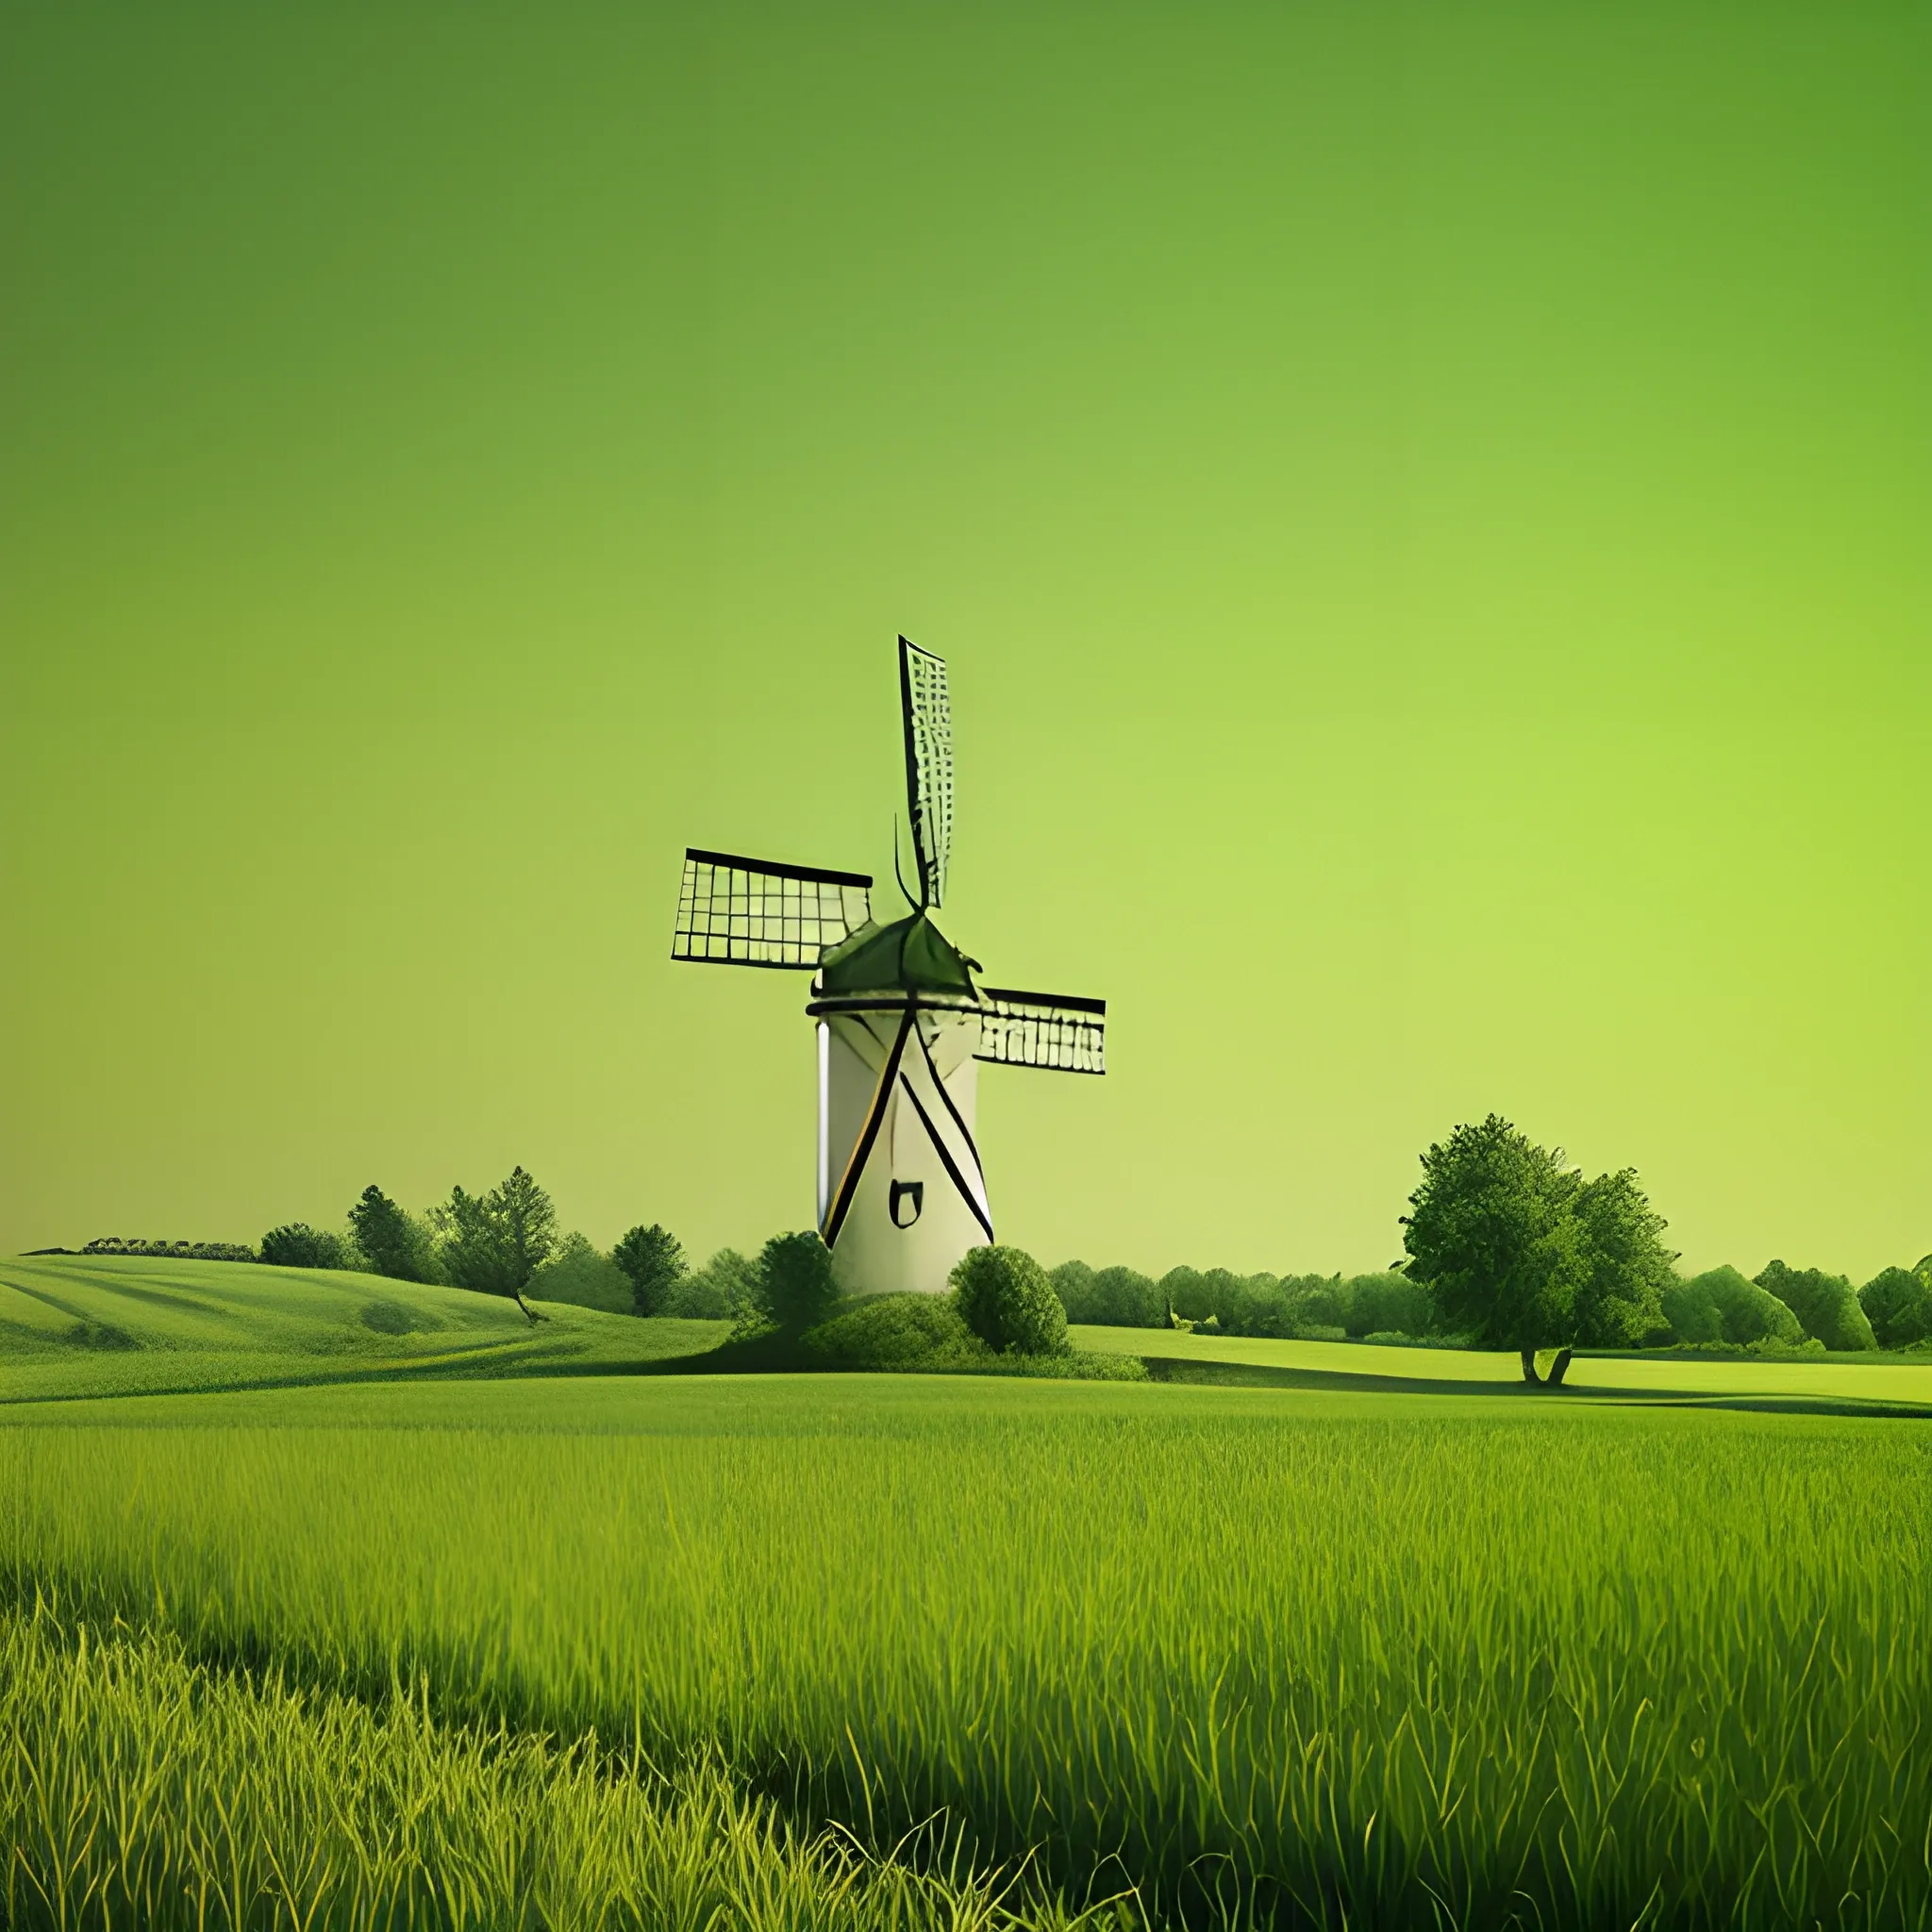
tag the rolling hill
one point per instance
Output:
(114, 1324)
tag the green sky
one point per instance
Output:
(1427, 510)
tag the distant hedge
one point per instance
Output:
(179, 1251)
(1307, 1306)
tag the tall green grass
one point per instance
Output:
(139, 1790)
(1369, 1661)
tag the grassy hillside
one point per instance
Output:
(1346, 1656)
(74, 1325)
(1840, 1380)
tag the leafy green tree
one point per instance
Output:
(1898, 1304)
(1073, 1281)
(794, 1286)
(1184, 1291)
(1824, 1303)
(1626, 1266)
(1519, 1251)
(298, 1245)
(1125, 1298)
(1008, 1302)
(1721, 1305)
(495, 1242)
(653, 1257)
(392, 1241)
(1493, 1238)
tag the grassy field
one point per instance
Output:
(89, 1325)
(1833, 1379)
(1362, 1660)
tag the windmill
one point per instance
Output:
(901, 1023)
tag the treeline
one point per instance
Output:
(1785, 1310)
(508, 1241)
(179, 1251)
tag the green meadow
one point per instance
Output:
(388, 1641)
(74, 1325)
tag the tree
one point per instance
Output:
(721, 1290)
(1619, 1298)
(1519, 1251)
(298, 1245)
(1073, 1281)
(794, 1286)
(654, 1260)
(1898, 1304)
(1824, 1303)
(1721, 1305)
(391, 1241)
(496, 1243)
(1009, 1302)
(1125, 1298)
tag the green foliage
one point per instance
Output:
(495, 1242)
(1312, 1306)
(1898, 1304)
(298, 1245)
(579, 1274)
(1520, 1252)
(1824, 1303)
(391, 1241)
(899, 1331)
(1720, 1306)
(723, 1290)
(793, 1287)
(653, 1262)
(1625, 1264)
(1008, 1301)
(1109, 1297)
(1387, 1302)
(942, 1594)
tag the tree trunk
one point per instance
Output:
(1529, 1374)
(1558, 1369)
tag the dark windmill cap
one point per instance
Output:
(910, 956)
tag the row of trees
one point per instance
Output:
(1508, 1246)
(1505, 1245)
(507, 1241)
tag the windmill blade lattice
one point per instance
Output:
(736, 911)
(928, 764)
(1058, 1031)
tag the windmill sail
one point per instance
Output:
(734, 911)
(1043, 1029)
(928, 764)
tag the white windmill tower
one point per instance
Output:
(901, 1026)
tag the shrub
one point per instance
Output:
(1898, 1304)
(652, 1259)
(298, 1245)
(1824, 1303)
(898, 1331)
(1720, 1306)
(794, 1287)
(1009, 1302)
